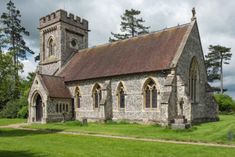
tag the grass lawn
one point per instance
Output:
(207, 132)
(6, 121)
(21, 143)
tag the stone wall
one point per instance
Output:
(37, 88)
(49, 104)
(54, 115)
(69, 34)
(199, 110)
(134, 105)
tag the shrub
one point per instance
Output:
(17, 108)
(10, 110)
(23, 112)
(225, 102)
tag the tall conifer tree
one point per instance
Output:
(131, 26)
(215, 59)
(14, 32)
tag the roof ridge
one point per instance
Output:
(182, 45)
(132, 38)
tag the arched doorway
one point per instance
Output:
(39, 109)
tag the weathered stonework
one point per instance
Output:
(49, 113)
(62, 28)
(37, 89)
(205, 107)
(134, 106)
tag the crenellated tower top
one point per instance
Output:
(64, 16)
(61, 35)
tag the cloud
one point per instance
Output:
(29, 66)
(216, 20)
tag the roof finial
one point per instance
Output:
(193, 14)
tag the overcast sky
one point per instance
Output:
(216, 20)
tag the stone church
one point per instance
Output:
(158, 77)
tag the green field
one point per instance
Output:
(21, 143)
(5, 121)
(216, 132)
(47, 143)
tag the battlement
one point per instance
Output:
(62, 15)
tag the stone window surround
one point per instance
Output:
(51, 46)
(119, 88)
(97, 89)
(62, 107)
(77, 95)
(157, 109)
(193, 80)
(144, 109)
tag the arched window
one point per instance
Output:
(67, 108)
(60, 107)
(97, 95)
(154, 97)
(57, 108)
(63, 107)
(121, 95)
(77, 98)
(51, 47)
(193, 80)
(150, 94)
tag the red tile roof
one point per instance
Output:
(55, 86)
(151, 52)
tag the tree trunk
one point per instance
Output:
(132, 27)
(221, 77)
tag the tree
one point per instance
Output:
(18, 107)
(14, 32)
(131, 26)
(225, 102)
(7, 73)
(2, 40)
(217, 56)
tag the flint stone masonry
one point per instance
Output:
(49, 113)
(62, 28)
(134, 107)
(203, 109)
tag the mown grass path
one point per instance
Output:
(212, 132)
(21, 126)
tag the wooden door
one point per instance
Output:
(39, 109)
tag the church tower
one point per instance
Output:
(61, 34)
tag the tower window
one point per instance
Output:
(51, 47)
(74, 43)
